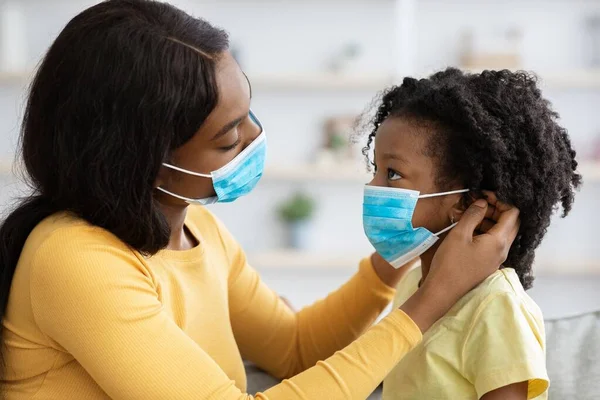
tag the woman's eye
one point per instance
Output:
(231, 146)
(393, 175)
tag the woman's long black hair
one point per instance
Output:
(125, 83)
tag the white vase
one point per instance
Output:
(299, 235)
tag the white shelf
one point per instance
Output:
(568, 79)
(352, 173)
(15, 77)
(320, 81)
(284, 259)
(571, 267)
(5, 167)
(299, 81)
(295, 259)
(576, 79)
(590, 171)
(316, 173)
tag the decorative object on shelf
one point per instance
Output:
(345, 59)
(296, 212)
(593, 33)
(491, 50)
(337, 147)
(13, 49)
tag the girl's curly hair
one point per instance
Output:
(492, 131)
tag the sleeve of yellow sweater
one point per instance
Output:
(285, 343)
(93, 298)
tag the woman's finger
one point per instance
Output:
(486, 225)
(507, 226)
(492, 199)
(470, 220)
(491, 211)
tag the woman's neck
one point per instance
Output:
(180, 238)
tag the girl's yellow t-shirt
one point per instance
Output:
(493, 337)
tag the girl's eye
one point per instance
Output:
(393, 175)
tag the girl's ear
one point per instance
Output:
(463, 202)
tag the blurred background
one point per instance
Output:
(314, 67)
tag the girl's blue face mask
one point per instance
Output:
(387, 221)
(236, 178)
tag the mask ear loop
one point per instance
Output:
(426, 196)
(185, 171)
(174, 195)
(446, 229)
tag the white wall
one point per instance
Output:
(298, 36)
(553, 40)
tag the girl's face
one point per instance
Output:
(402, 161)
(224, 134)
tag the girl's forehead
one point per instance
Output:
(399, 136)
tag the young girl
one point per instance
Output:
(440, 143)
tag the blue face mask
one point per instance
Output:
(236, 178)
(387, 221)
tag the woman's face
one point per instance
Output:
(402, 161)
(224, 134)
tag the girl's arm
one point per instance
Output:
(516, 391)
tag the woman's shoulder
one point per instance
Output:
(63, 238)
(68, 229)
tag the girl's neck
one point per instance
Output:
(427, 258)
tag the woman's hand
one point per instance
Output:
(464, 260)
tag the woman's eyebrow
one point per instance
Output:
(228, 126)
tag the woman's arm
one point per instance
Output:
(97, 303)
(284, 342)
(95, 299)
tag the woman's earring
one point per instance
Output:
(452, 219)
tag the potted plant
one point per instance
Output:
(296, 213)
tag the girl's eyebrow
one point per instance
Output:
(393, 156)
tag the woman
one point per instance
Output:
(113, 286)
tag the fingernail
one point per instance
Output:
(480, 203)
